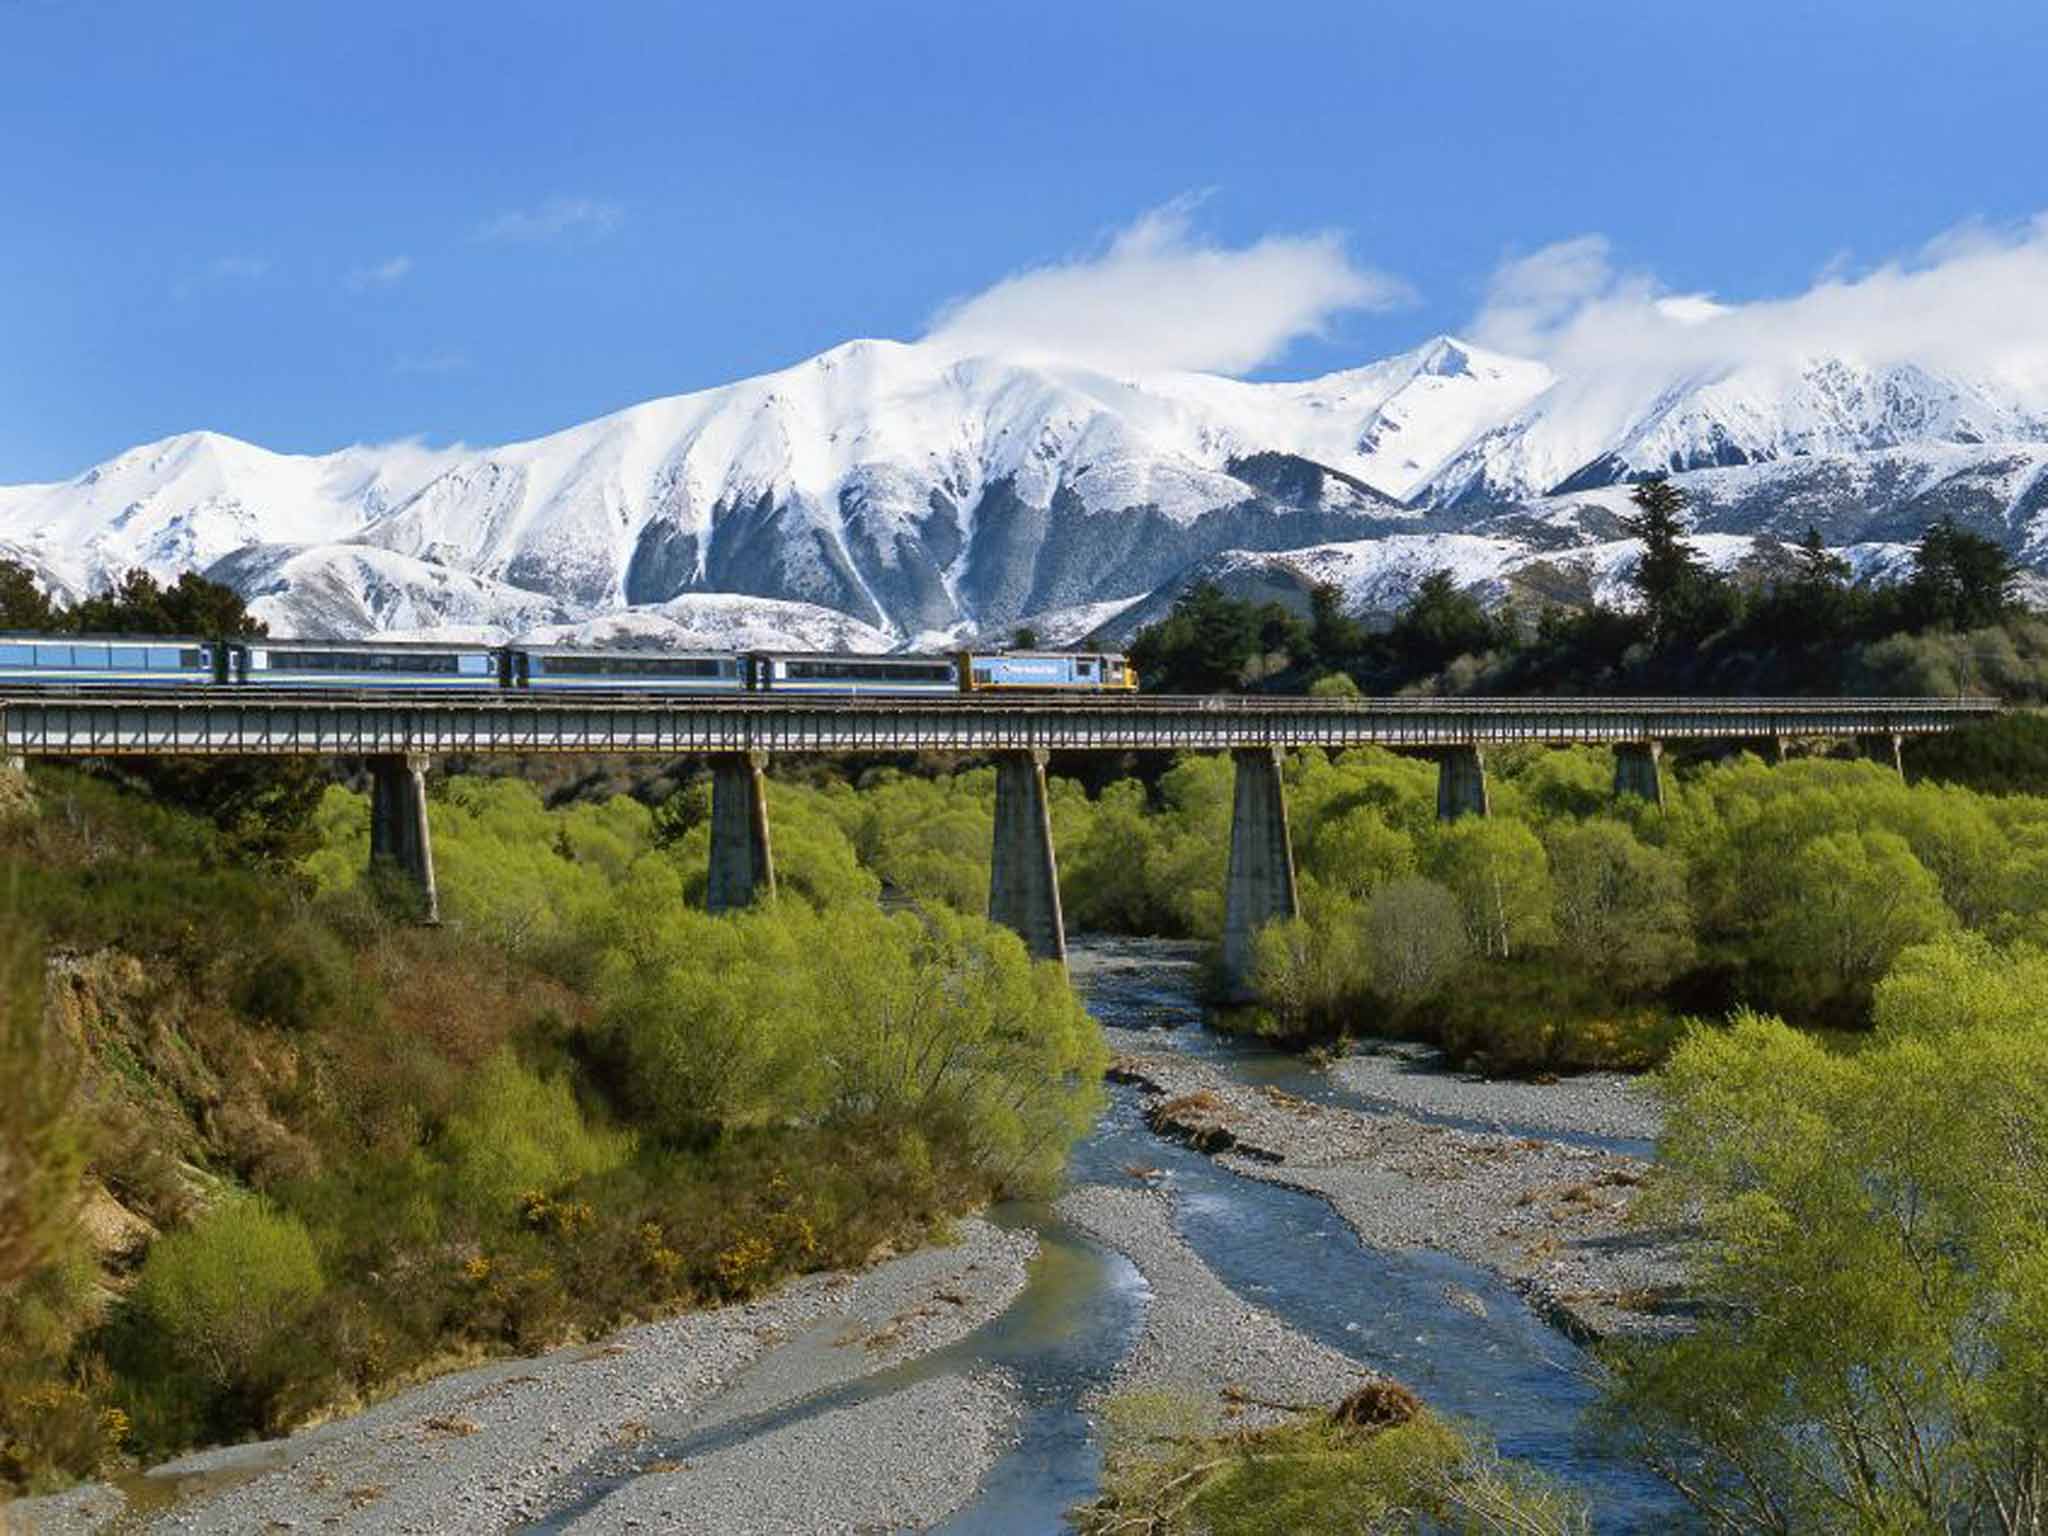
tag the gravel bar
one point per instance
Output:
(1550, 1218)
(1200, 1337)
(1418, 1077)
(496, 1447)
(900, 1462)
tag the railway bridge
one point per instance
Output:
(399, 735)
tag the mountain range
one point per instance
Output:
(887, 494)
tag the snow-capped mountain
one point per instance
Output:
(888, 493)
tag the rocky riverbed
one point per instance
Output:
(1550, 1216)
(573, 1440)
(955, 1387)
(1201, 1340)
(1416, 1079)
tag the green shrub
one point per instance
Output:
(299, 977)
(1166, 1473)
(519, 1132)
(223, 1293)
(1310, 973)
(1415, 940)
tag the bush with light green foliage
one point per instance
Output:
(1165, 1471)
(937, 1022)
(1310, 972)
(1873, 1266)
(221, 1294)
(519, 1132)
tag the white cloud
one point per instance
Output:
(1159, 297)
(557, 217)
(1975, 300)
(380, 274)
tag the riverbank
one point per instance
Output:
(1419, 1079)
(1551, 1218)
(570, 1440)
(956, 1386)
(1201, 1340)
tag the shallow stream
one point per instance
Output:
(1463, 1339)
(1415, 1315)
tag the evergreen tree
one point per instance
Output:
(1818, 571)
(1214, 643)
(1669, 577)
(22, 603)
(1440, 624)
(1333, 634)
(1960, 580)
(141, 605)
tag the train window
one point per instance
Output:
(53, 655)
(191, 656)
(17, 655)
(873, 671)
(1084, 669)
(360, 661)
(133, 657)
(635, 666)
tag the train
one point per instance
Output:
(422, 667)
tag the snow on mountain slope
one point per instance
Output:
(706, 621)
(1999, 490)
(894, 482)
(916, 495)
(187, 501)
(1394, 424)
(720, 621)
(354, 589)
(1582, 433)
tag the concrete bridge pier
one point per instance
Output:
(1024, 875)
(1259, 888)
(1461, 784)
(1636, 770)
(1887, 750)
(400, 840)
(742, 858)
(1781, 749)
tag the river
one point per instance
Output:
(767, 1415)
(1507, 1372)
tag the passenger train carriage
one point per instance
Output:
(565, 669)
(840, 672)
(373, 666)
(107, 661)
(361, 664)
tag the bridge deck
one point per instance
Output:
(234, 722)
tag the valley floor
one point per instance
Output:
(838, 1405)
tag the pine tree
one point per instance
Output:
(1960, 580)
(1670, 575)
(1818, 570)
(22, 603)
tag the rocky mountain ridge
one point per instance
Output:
(885, 493)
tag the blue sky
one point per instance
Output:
(309, 225)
